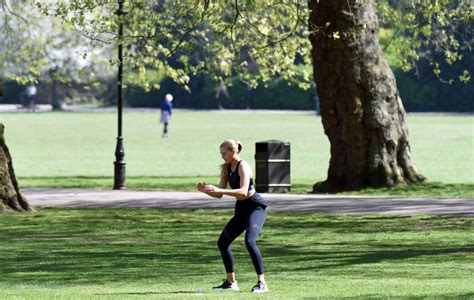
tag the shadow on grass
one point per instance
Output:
(438, 296)
(301, 260)
(152, 293)
(82, 266)
(165, 261)
(101, 246)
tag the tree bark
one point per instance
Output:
(56, 100)
(10, 195)
(361, 109)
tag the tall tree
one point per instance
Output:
(361, 109)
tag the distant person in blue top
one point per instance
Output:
(250, 213)
(166, 111)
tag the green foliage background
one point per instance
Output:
(246, 43)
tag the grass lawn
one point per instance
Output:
(77, 149)
(160, 254)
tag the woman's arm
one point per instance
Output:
(201, 186)
(240, 193)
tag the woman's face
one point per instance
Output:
(227, 155)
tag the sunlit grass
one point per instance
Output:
(77, 149)
(188, 183)
(431, 189)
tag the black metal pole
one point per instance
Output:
(119, 178)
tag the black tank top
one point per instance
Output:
(248, 204)
(234, 178)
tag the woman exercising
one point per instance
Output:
(250, 213)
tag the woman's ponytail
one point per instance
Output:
(239, 146)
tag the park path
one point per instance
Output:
(358, 205)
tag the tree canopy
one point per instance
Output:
(257, 40)
(186, 37)
(38, 46)
(434, 32)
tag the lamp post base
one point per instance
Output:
(119, 166)
(119, 179)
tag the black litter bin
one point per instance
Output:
(272, 167)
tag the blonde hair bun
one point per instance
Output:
(232, 145)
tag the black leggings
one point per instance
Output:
(252, 221)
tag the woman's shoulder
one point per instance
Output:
(244, 165)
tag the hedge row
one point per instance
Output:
(278, 95)
(417, 96)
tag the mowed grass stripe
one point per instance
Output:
(83, 144)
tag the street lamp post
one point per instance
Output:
(119, 164)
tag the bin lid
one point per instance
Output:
(273, 142)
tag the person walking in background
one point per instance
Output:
(31, 96)
(166, 111)
(221, 95)
(250, 213)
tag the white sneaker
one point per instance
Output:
(227, 286)
(260, 287)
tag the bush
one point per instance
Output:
(278, 95)
(415, 97)
(432, 95)
(13, 92)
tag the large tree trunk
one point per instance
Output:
(56, 100)
(10, 195)
(361, 109)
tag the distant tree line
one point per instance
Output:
(423, 93)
